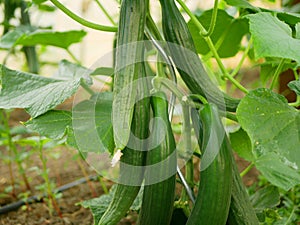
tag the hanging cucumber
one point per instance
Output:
(131, 162)
(160, 175)
(241, 211)
(184, 55)
(213, 199)
(129, 55)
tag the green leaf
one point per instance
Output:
(289, 18)
(99, 205)
(274, 129)
(92, 126)
(10, 39)
(242, 4)
(295, 86)
(272, 37)
(297, 28)
(29, 36)
(267, 197)
(68, 70)
(39, 1)
(227, 34)
(52, 124)
(241, 144)
(58, 39)
(106, 71)
(278, 171)
(268, 69)
(35, 93)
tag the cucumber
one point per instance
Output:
(241, 211)
(132, 161)
(129, 55)
(184, 55)
(160, 174)
(214, 194)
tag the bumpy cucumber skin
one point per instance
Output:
(188, 63)
(241, 211)
(158, 198)
(214, 194)
(129, 58)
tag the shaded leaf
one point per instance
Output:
(263, 26)
(52, 124)
(10, 39)
(227, 34)
(68, 70)
(241, 4)
(274, 129)
(267, 197)
(107, 71)
(99, 205)
(241, 144)
(35, 93)
(92, 126)
(295, 86)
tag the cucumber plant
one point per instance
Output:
(191, 49)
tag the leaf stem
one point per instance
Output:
(212, 47)
(212, 21)
(73, 56)
(248, 168)
(81, 20)
(239, 66)
(105, 12)
(277, 73)
(86, 87)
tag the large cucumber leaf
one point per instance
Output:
(39, 94)
(274, 129)
(272, 37)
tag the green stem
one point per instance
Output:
(103, 185)
(81, 20)
(245, 171)
(212, 21)
(73, 56)
(277, 73)
(231, 116)
(189, 168)
(239, 66)
(105, 12)
(212, 47)
(87, 88)
(290, 217)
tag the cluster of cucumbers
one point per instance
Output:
(221, 196)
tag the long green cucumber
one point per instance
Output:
(184, 55)
(132, 160)
(160, 174)
(129, 55)
(213, 199)
(241, 211)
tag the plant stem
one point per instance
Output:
(245, 171)
(81, 20)
(277, 73)
(102, 183)
(105, 12)
(237, 69)
(73, 56)
(87, 88)
(212, 47)
(89, 183)
(189, 168)
(212, 21)
(52, 202)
